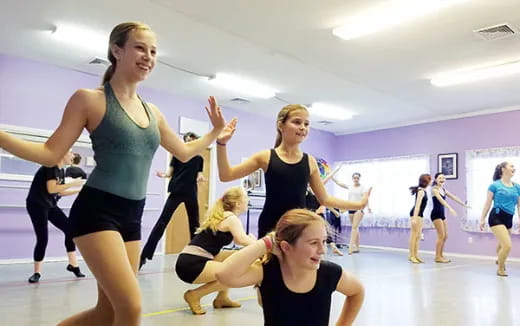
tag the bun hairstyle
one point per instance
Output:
(283, 115)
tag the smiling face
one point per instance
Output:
(306, 252)
(440, 180)
(133, 50)
(355, 179)
(295, 128)
(508, 170)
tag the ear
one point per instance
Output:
(285, 246)
(116, 51)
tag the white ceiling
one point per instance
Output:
(383, 78)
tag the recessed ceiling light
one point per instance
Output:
(475, 74)
(81, 37)
(389, 14)
(329, 111)
(242, 85)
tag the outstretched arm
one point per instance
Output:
(227, 172)
(329, 201)
(437, 195)
(73, 121)
(456, 199)
(185, 151)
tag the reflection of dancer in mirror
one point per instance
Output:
(47, 187)
(416, 215)
(505, 195)
(287, 169)
(439, 194)
(182, 188)
(200, 259)
(295, 284)
(106, 216)
(355, 192)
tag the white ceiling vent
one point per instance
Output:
(496, 32)
(324, 122)
(239, 100)
(98, 61)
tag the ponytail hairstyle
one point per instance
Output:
(498, 171)
(228, 202)
(424, 181)
(118, 37)
(283, 115)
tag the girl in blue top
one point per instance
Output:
(505, 195)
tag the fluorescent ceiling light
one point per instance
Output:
(475, 74)
(242, 85)
(81, 37)
(389, 14)
(329, 111)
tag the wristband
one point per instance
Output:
(221, 144)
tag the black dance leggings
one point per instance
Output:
(173, 201)
(40, 218)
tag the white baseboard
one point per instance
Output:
(451, 254)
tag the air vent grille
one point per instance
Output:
(496, 32)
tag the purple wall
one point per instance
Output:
(458, 135)
(33, 95)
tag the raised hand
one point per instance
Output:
(227, 132)
(215, 114)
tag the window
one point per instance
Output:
(480, 166)
(390, 178)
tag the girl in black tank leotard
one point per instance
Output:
(200, 259)
(296, 248)
(439, 195)
(287, 169)
(416, 214)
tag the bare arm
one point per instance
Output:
(420, 195)
(238, 269)
(53, 187)
(485, 210)
(354, 291)
(234, 225)
(437, 195)
(185, 151)
(73, 121)
(329, 201)
(341, 184)
(456, 199)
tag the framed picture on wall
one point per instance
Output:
(447, 164)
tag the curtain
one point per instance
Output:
(390, 178)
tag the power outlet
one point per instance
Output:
(470, 239)
(422, 236)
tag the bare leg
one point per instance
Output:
(354, 236)
(114, 264)
(351, 242)
(439, 244)
(207, 276)
(504, 238)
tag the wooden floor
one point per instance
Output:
(464, 292)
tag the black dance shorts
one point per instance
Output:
(437, 215)
(95, 210)
(189, 267)
(500, 217)
(354, 211)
